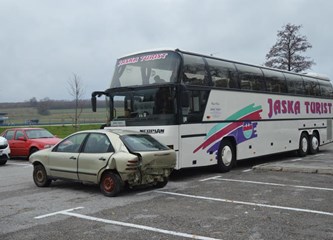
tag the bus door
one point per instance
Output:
(193, 130)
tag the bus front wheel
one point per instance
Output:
(226, 156)
(303, 145)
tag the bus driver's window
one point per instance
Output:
(163, 101)
(198, 100)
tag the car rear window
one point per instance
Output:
(142, 143)
(38, 133)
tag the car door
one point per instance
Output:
(21, 143)
(17, 143)
(63, 160)
(94, 156)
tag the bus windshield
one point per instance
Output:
(142, 107)
(145, 69)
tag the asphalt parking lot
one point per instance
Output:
(275, 197)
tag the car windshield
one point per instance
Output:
(137, 143)
(38, 133)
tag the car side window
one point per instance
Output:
(98, 143)
(71, 144)
(19, 134)
(9, 135)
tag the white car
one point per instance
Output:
(4, 150)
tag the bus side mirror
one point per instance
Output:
(93, 103)
(93, 99)
(185, 99)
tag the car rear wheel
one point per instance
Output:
(110, 184)
(40, 176)
(162, 184)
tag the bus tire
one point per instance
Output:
(314, 143)
(226, 156)
(303, 145)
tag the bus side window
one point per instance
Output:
(275, 81)
(224, 74)
(295, 84)
(251, 78)
(194, 71)
(311, 86)
(326, 88)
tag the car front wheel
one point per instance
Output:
(40, 176)
(32, 150)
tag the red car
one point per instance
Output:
(25, 141)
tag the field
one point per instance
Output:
(59, 122)
(21, 116)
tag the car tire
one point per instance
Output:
(33, 150)
(226, 156)
(40, 177)
(314, 143)
(162, 184)
(110, 184)
(3, 162)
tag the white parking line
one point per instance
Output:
(69, 212)
(207, 179)
(246, 203)
(273, 184)
(297, 159)
(20, 164)
(56, 213)
(320, 154)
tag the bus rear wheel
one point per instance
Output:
(314, 143)
(303, 145)
(226, 156)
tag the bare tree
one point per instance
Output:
(286, 52)
(76, 91)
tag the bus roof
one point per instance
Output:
(310, 74)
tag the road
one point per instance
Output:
(246, 203)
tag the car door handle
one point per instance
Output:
(72, 158)
(102, 159)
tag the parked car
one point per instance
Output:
(25, 141)
(4, 150)
(110, 158)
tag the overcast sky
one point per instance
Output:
(44, 42)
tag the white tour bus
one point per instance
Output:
(213, 111)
